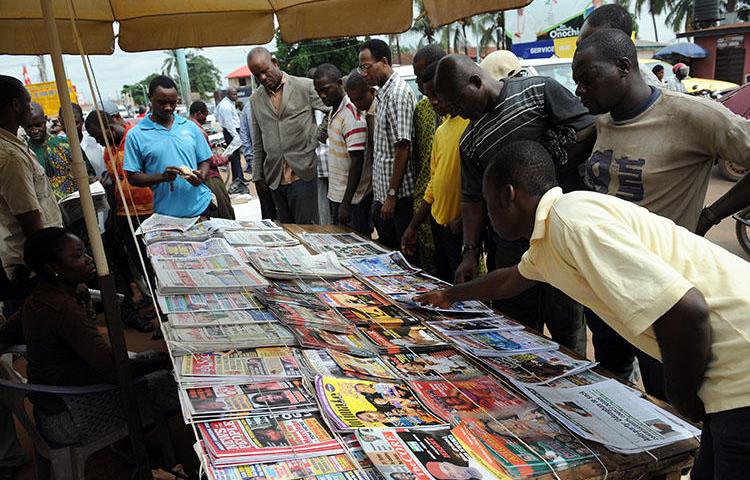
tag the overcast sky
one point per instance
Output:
(112, 71)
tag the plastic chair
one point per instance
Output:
(97, 413)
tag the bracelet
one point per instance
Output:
(466, 248)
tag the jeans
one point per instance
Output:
(447, 250)
(542, 304)
(234, 158)
(616, 355)
(390, 231)
(267, 207)
(324, 208)
(297, 202)
(725, 446)
(359, 215)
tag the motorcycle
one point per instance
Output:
(741, 228)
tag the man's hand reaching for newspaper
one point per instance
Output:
(438, 298)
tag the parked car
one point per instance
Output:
(406, 72)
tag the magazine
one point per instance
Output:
(226, 337)
(492, 344)
(179, 249)
(207, 302)
(404, 339)
(537, 368)
(238, 401)
(267, 438)
(613, 415)
(217, 273)
(197, 233)
(158, 222)
(210, 318)
(399, 453)
(325, 319)
(480, 397)
(367, 308)
(340, 285)
(296, 263)
(338, 364)
(352, 250)
(470, 325)
(267, 238)
(237, 367)
(392, 263)
(352, 343)
(437, 365)
(470, 306)
(353, 403)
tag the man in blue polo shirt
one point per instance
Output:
(169, 154)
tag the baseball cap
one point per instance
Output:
(110, 107)
(501, 64)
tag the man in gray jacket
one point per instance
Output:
(285, 137)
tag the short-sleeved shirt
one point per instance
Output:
(347, 132)
(394, 122)
(443, 191)
(527, 108)
(631, 266)
(151, 148)
(660, 155)
(140, 199)
(23, 188)
(55, 157)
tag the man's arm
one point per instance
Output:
(501, 283)
(472, 214)
(409, 238)
(400, 164)
(245, 137)
(140, 179)
(737, 198)
(357, 158)
(580, 150)
(31, 222)
(259, 155)
(684, 336)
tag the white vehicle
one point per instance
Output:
(556, 68)
(406, 72)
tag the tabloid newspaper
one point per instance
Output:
(270, 238)
(468, 306)
(227, 337)
(237, 367)
(492, 344)
(217, 318)
(392, 263)
(199, 232)
(442, 364)
(537, 368)
(207, 302)
(354, 250)
(352, 343)
(181, 249)
(340, 285)
(217, 273)
(325, 318)
(157, 222)
(404, 284)
(613, 415)
(404, 339)
(296, 263)
(351, 404)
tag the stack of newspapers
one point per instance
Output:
(296, 262)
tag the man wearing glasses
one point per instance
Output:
(392, 177)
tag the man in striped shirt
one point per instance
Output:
(349, 176)
(518, 108)
(392, 176)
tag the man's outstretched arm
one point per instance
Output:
(501, 283)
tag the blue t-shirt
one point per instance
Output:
(151, 148)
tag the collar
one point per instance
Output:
(542, 212)
(344, 103)
(148, 124)
(12, 138)
(388, 84)
(655, 94)
(282, 82)
(373, 106)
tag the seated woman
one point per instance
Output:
(64, 347)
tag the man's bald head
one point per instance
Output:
(259, 52)
(463, 86)
(264, 68)
(36, 109)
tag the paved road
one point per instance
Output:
(723, 233)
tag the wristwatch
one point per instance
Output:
(391, 192)
(466, 248)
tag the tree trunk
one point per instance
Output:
(731, 6)
(466, 40)
(653, 19)
(398, 48)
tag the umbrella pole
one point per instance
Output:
(106, 284)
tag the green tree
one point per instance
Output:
(492, 28)
(453, 38)
(422, 25)
(680, 16)
(655, 7)
(139, 91)
(203, 74)
(298, 58)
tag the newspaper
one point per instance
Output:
(352, 250)
(216, 273)
(70, 205)
(405, 284)
(208, 302)
(197, 233)
(296, 263)
(227, 337)
(178, 249)
(157, 222)
(392, 263)
(264, 224)
(224, 224)
(351, 404)
(537, 368)
(340, 285)
(448, 364)
(468, 306)
(210, 318)
(302, 316)
(399, 453)
(237, 367)
(613, 415)
(404, 339)
(352, 343)
(317, 240)
(492, 344)
(267, 238)
(474, 325)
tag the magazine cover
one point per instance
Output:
(353, 403)
(207, 302)
(352, 250)
(481, 397)
(236, 364)
(339, 285)
(177, 249)
(473, 325)
(405, 284)
(492, 344)
(385, 316)
(351, 343)
(231, 317)
(322, 362)
(537, 368)
(432, 365)
(270, 437)
(326, 318)
(399, 453)
(409, 339)
(392, 263)
(467, 307)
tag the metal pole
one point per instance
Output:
(182, 70)
(106, 284)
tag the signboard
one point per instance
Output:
(540, 49)
(565, 47)
(730, 41)
(45, 94)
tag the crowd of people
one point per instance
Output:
(586, 209)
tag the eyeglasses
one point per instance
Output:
(363, 68)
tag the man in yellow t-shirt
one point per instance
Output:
(674, 295)
(442, 197)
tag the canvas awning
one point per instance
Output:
(167, 24)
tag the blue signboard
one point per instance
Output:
(538, 49)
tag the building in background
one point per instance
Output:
(727, 52)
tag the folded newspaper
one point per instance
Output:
(296, 263)
(216, 273)
(392, 263)
(70, 205)
(199, 232)
(219, 318)
(267, 238)
(492, 344)
(183, 249)
(226, 337)
(157, 222)
(207, 302)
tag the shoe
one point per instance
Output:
(238, 187)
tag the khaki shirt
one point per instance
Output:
(23, 188)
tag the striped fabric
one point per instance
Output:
(347, 132)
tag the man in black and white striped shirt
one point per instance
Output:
(503, 112)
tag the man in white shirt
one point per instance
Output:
(681, 72)
(227, 116)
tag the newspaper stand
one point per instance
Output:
(666, 462)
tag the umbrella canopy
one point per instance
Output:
(682, 49)
(167, 24)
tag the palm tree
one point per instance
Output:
(655, 7)
(170, 63)
(453, 37)
(492, 28)
(680, 16)
(422, 25)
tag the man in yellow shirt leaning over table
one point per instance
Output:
(674, 295)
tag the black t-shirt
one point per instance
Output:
(528, 108)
